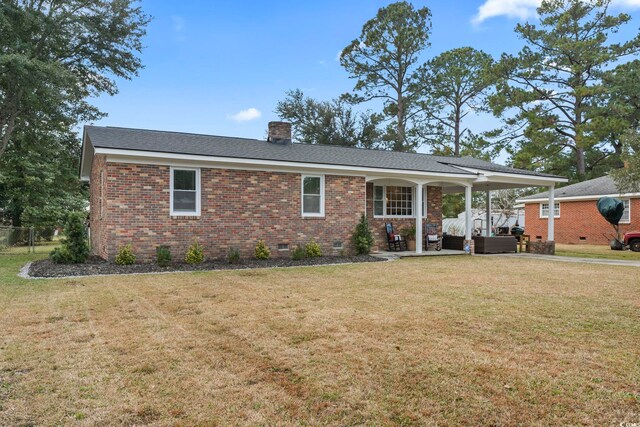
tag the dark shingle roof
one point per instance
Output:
(594, 187)
(244, 148)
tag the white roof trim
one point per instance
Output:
(579, 198)
(511, 176)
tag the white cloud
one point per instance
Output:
(524, 9)
(246, 115)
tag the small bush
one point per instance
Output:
(163, 256)
(61, 255)
(195, 254)
(125, 256)
(298, 253)
(75, 248)
(362, 238)
(313, 249)
(233, 256)
(262, 250)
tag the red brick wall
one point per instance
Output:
(238, 208)
(577, 219)
(434, 215)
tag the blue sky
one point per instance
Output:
(207, 61)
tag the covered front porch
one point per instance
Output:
(413, 202)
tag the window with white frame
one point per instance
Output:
(544, 210)
(312, 195)
(395, 201)
(626, 215)
(185, 192)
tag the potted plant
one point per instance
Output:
(409, 234)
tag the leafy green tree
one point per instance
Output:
(452, 85)
(618, 107)
(329, 122)
(57, 54)
(549, 90)
(39, 181)
(383, 62)
(628, 178)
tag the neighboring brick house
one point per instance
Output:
(577, 219)
(151, 188)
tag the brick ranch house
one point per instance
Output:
(576, 215)
(151, 188)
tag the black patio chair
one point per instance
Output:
(431, 237)
(396, 242)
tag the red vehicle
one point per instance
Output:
(632, 240)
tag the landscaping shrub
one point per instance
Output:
(61, 255)
(313, 249)
(163, 256)
(125, 255)
(362, 238)
(75, 248)
(233, 256)
(298, 253)
(195, 254)
(262, 250)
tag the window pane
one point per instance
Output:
(378, 193)
(399, 201)
(184, 180)
(311, 204)
(312, 185)
(378, 206)
(626, 213)
(544, 209)
(184, 201)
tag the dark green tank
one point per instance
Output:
(611, 209)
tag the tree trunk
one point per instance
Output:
(456, 133)
(580, 165)
(400, 131)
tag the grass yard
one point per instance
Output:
(435, 341)
(595, 251)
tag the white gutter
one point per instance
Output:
(579, 198)
(511, 176)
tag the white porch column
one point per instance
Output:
(552, 214)
(488, 215)
(419, 215)
(468, 218)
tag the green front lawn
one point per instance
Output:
(443, 341)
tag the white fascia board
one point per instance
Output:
(171, 159)
(84, 174)
(579, 198)
(535, 181)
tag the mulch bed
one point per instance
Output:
(94, 266)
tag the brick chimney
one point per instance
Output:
(279, 133)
